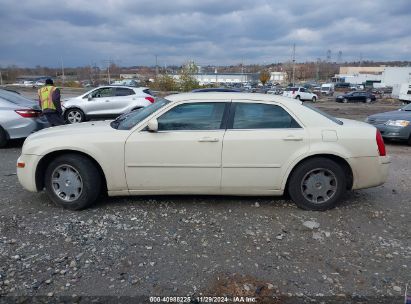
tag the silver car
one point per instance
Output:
(106, 102)
(19, 117)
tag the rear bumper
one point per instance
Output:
(369, 171)
(23, 127)
(27, 175)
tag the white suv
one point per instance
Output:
(106, 102)
(300, 93)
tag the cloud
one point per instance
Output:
(44, 32)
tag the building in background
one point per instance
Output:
(382, 76)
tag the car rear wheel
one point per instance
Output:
(74, 116)
(298, 97)
(3, 138)
(317, 184)
(73, 181)
(368, 100)
(314, 99)
(409, 140)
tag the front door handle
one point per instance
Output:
(208, 139)
(292, 138)
(107, 100)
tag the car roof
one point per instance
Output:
(231, 95)
(122, 86)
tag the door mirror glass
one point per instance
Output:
(90, 97)
(153, 125)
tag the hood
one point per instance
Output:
(392, 115)
(91, 128)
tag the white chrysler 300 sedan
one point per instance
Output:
(207, 143)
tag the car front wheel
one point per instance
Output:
(317, 184)
(368, 100)
(314, 99)
(73, 181)
(345, 100)
(74, 116)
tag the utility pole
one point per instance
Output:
(317, 74)
(293, 80)
(62, 71)
(156, 65)
(1, 79)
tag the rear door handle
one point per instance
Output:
(292, 138)
(208, 139)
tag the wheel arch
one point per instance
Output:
(338, 159)
(46, 159)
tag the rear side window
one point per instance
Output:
(193, 116)
(147, 91)
(262, 116)
(124, 92)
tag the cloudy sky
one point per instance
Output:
(132, 32)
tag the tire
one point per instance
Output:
(298, 97)
(368, 100)
(321, 174)
(314, 99)
(74, 116)
(345, 100)
(3, 138)
(409, 140)
(79, 171)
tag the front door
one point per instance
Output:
(101, 101)
(260, 143)
(183, 156)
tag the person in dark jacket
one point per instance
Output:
(49, 100)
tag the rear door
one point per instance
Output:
(123, 100)
(261, 140)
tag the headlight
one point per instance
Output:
(398, 123)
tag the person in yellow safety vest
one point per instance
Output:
(49, 100)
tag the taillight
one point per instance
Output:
(380, 144)
(28, 113)
(150, 99)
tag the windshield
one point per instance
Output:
(129, 120)
(332, 118)
(406, 108)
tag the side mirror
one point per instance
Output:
(152, 125)
(89, 97)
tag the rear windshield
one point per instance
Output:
(332, 118)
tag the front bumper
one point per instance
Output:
(392, 132)
(27, 175)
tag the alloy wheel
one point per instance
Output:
(74, 116)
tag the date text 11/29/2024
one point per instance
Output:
(203, 299)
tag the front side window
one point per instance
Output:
(103, 92)
(193, 116)
(262, 116)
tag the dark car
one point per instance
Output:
(394, 125)
(215, 90)
(356, 96)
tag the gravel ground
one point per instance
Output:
(199, 245)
